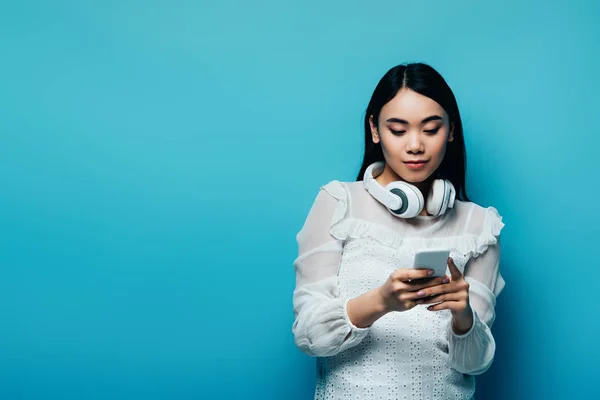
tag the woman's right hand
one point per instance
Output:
(401, 290)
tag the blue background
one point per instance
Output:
(157, 159)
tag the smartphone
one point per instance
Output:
(435, 259)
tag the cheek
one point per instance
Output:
(389, 146)
(393, 145)
(438, 149)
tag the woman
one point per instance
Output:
(379, 326)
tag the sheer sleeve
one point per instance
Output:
(473, 352)
(321, 326)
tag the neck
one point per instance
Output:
(388, 175)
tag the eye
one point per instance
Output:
(397, 133)
(432, 131)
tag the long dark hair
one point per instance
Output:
(425, 80)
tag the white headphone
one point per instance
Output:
(405, 200)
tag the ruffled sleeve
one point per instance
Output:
(321, 326)
(473, 352)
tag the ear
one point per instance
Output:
(374, 131)
(451, 135)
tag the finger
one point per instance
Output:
(411, 293)
(446, 305)
(415, 286)
(457, 296)
(454, 271)
(409, 274)
(448, 287)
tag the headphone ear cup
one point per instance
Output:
(434, 198)
(452, 195)
(440, 197)
(412, 199)
(437, 198)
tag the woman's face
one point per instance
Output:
(413, 131)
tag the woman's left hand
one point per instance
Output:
(453, 296)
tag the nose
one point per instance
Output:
(414, 143)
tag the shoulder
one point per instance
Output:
(336, 189)
(343, 190)
(478, 219)
(466, 209)
(331, 196)
(352, 188)
(328, 209)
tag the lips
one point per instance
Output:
(417, 164)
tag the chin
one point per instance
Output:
(415, 176)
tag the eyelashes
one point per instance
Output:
(428, 131)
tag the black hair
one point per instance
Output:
(423, 79)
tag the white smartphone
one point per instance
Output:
(435, 259)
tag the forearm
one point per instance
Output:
(322, 327)
(365, 309)
(472, 352)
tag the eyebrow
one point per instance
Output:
(403, 121)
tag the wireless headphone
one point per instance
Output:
(405, 200)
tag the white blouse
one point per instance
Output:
(350, 244)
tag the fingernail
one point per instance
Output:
(430, 308)
(430, 272)
(420, 293)
(445, 280)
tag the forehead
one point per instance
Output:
(412, 107)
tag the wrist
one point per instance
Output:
(463, 322)
(365, 309)
(379, 301)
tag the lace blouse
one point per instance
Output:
(350, 244)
